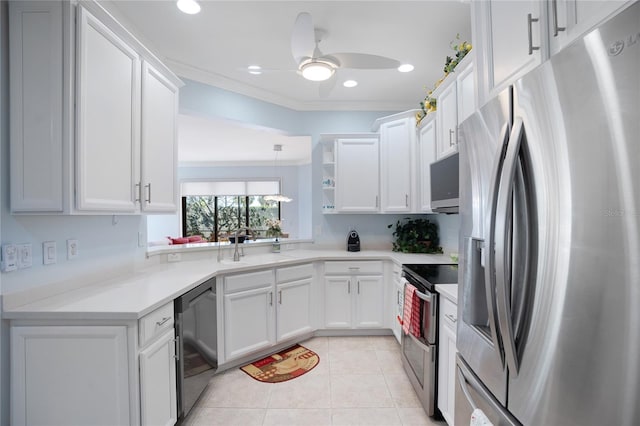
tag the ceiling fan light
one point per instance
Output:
(190, 7)
(317, 71)
(350, 83)
(277, 197)
(254, 69)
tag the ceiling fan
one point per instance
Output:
(316, 66)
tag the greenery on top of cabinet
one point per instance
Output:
(416, 236)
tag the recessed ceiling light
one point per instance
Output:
(405, 68)
(190, 7)
(255, 69)
(350, 83)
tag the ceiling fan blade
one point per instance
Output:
(364, 61)
(325, 87)
(303, 40)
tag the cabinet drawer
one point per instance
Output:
(248, 281)
(151, 325)
(448, 314)
(294, 273)
(349, 267)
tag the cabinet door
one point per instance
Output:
(294, 309)
(369, 302)
(36, 103)
(69, 375)
(427, 150)
(466, 92)
(447, 114)
(248, 321)
(447, 359)
(107, 119)
(396, 144)
(509, 39)
(158, 405)
(159, 145)
(337, 302)
(357, 175)
(569, 19)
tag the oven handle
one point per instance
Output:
(430, 298)
(421, 345)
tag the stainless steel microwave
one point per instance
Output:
(445, 184)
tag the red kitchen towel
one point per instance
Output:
(407, 309)
(414, 326)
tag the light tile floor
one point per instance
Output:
(359, 381)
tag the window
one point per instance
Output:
(217, 216)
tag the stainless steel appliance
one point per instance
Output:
(550, 236)
(419, 353)
(197, 356)
(444, 184)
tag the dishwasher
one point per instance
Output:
(197, 355)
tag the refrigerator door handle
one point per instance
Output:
(489, 251)
(502, 246)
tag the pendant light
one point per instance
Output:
(277, 197)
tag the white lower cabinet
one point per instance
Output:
(158, 405)
(447, 359)
(70, 375)
(260, 311)
(114, 373)
(354, 296)
(397, 297)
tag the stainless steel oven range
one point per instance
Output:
(419, 350)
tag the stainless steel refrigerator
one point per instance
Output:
(549, 294)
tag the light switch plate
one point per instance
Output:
(9, 258)
(25, 256)
(72, 249)
(49, 256)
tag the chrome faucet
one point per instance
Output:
(236, 254)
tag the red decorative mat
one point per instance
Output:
(283, 366)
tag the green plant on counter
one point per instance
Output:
(416, 236)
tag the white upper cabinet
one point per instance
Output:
(356, 186)
(159, 142)
(36, 103)
(77, 123)
(456, 100)
(568, 19)
(447, 114)
(107, 118)
(511, 37)
(397, 151)
(427, 153)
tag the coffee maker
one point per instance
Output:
(353, 241)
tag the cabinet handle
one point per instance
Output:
(176, 343)
(349, 286)
(556, 28)
(531, 20)
(354, 268)
(280, 297)
(358, 286)
(451, 132)
(162, 321)
(376, 201)
(270, 298)
(138, 192)
(451, 318)
(397, 297)
(406, 200)
(148, 200)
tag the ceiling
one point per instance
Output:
(216, 46)
(206, 142)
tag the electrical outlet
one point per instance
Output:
(9, 258)
(72, 249)
(49, 255)
(25, 258)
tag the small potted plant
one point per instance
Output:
(274, 228)
(416, 236)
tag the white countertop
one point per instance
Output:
(134, 295)
(450, 291)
